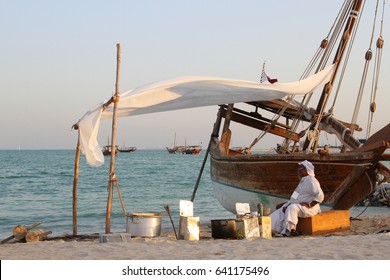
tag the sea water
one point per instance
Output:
(37, 185)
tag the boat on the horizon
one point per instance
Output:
(184, 150)
(127, 149)
(107, 150)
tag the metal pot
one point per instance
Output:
(144, 224)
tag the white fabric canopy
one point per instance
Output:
(186, 92)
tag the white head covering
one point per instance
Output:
(309, 167)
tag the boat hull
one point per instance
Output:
(345, 178)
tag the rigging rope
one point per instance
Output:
(324, 51)
(335, 32)
(375, 78)
(368, 57)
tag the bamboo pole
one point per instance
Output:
(75, 181)
(112, 177)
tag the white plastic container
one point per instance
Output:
(144, 224)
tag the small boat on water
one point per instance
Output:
(127, 149)
(184, 150)
(107, 150)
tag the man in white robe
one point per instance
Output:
(304, 202)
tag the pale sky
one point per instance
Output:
(58, 60)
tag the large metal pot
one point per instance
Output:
(144, 224)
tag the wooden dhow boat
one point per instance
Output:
(278, 109)
(346, 177)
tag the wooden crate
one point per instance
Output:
(325, 222)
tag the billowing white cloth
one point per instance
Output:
(187, 92)
(308, 190)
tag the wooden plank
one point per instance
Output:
(263, 126)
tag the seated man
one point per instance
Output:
(304, 202)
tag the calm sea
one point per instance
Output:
(36, 185)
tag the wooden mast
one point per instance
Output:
(112, 177)
(354, 13)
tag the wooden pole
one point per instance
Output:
(75, 181)
(216, 128)
(112, 177)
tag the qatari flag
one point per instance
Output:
(265, 77)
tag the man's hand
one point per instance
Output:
(307, 205)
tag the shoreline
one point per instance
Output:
(367, 239)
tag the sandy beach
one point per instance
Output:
(368, 239)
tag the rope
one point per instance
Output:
(375, 78)
(345, 16)
(335, 32)
(368, 57)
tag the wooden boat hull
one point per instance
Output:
(346, 178)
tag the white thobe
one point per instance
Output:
(308, 190)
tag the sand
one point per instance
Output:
(368, 239)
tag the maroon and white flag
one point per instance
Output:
(265, 77)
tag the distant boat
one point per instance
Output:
(127, 149)
(107, 149)
(185, 150)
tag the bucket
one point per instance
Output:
(144, 224)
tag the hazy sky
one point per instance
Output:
(58, 60)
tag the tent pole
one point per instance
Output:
(112, 177)
(75, 181)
